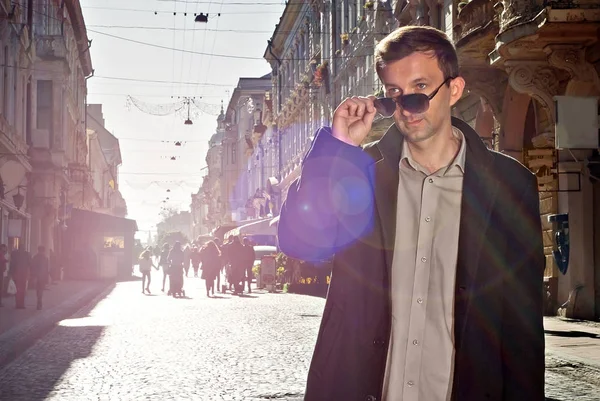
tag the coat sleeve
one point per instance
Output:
(331, 204)
(522, 322)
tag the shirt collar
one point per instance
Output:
(458, 161)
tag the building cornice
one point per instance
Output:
(83, 44)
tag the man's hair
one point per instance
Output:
(406, 40)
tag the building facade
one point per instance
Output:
(60, 179)
(241, 140)
(519, 55)
(16, 71)
(104, 160)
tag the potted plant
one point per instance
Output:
(369, 5)
(345, 38)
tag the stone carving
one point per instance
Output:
(572, 59)
(536, 79)
(515, 12)
(489, 83)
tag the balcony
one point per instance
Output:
(477, 25)
(51, 47)
(79, 173)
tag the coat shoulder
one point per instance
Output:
(510, 167)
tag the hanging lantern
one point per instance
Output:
(18, 199)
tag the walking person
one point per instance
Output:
(40, 272)
(223, 262)
(145, 264)
(437, 285)
(176, 259)
(187, 259)
(196, 259)
(163, 262)
(237, 260)
(20, 263)
(211, 265)
(249, 257)
(3, 271)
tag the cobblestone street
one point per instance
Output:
(130, 346)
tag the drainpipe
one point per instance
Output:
(85, 120)
(269, 47)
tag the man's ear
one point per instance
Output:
(457, 86)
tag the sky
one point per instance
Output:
(134, 82)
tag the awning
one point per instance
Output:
(274, 222)
(259, 227)
(93, 221)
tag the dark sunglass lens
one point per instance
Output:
(415, 103)
(385, 106)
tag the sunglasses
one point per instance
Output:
(414, 103)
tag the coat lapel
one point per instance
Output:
(386, 168)
(478, 197)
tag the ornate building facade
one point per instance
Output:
(60, 178)
(16, 72)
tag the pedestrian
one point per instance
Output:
(249, 257)
(40, 272)
(176, 259)
(3, 272)
(211, 265)
(237, 262)
(145, 263)
(223, 262)
(164, 263)
(20, 262)
(196, 259)
(437, 283)
(187, 259)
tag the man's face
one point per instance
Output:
(420, 73)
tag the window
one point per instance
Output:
(44, 105)
(5, 84)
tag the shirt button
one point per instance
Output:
(419, 300)
(410, 383)
(427, 219)
(415, 342)
(370, 398)
(423, 259)
(431, 180)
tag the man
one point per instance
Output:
(39, 272)
(3, 263)
(436, 290)
(250, 257)
(20, 262)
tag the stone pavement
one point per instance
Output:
(21, 328)
(130, 346)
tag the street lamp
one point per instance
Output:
(18, 199)
(259, 127)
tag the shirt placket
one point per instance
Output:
(416, 330)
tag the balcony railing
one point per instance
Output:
(474, 17)
(51, 47)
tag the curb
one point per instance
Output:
(18, 339)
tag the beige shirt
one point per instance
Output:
(421, 353)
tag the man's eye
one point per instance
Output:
(392, 91)
(421, 86)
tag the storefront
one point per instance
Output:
(99, 246)
(15, 226)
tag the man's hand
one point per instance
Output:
(353, 118)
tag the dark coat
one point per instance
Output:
(344, 203)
